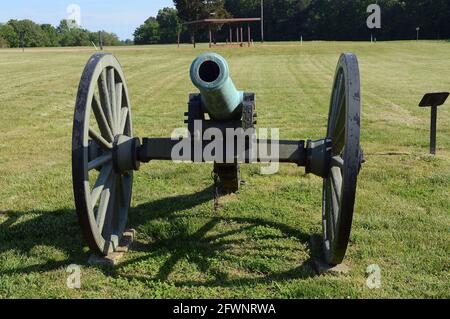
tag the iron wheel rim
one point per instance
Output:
(339, 188)
(102, 208)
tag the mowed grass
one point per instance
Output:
(258, 244)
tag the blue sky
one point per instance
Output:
(119, 16)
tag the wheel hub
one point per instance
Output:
(124, 154)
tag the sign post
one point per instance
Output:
(433, 100)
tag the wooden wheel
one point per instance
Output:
(339, 188)
(102, 190)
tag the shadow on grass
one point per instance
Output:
(22, 232)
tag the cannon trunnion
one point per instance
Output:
(106, 154)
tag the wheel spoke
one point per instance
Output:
(331, 212)
(112, 96)
(101, 212)
(119, 89)
(339, 140)
(326, 210)
(120, 190)
(106, 201)
(125, 190)
(337, 161)
(103, 124)
(114, 213)
(99, 161)
(339, 121)
(336, 184)
(332, 222)
(100, 184)
(123, 117)
(105, 224)
(99, 139)
(325, 228)
(340, 106)
(337, 89)
(118, 201)
(336, 93)
(104, 98)
(126, 181)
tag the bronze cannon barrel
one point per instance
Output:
(211, 75)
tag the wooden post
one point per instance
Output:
(262, 21)
(249, 34)
(22, 41)
(100, 40)
(242, 35)
(210, 37)
(178, 38)
(237, 35)
(231, 36)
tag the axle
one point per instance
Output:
(315, 156)
(161, 149)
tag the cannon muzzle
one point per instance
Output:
(220, 98)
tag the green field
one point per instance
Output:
(258, 244)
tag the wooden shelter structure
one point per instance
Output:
(236, 29)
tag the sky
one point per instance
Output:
(119, 16)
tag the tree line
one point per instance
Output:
(288, 20)
(284, 20)
(18, 33)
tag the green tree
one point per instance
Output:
(169, 25)
(192, 10)
(109, 39)
(147, 33)
(9, 37)
(70, 37)
(346, 19)
(35, 35)
(32, 33)
(3, 42)
(189, 10)
(283, 18)
(52, 36)
(75, 37)
(63, 27)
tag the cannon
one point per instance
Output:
(220, 98)
(105, 154)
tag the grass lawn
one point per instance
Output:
(257, 246)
